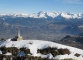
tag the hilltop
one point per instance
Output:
(43, 49)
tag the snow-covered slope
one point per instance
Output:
(66, 15)
(33, 45)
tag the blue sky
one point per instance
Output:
(34, 6)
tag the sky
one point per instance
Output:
(35, 6)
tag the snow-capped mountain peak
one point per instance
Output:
(53, 14)
(66, 15)
(42, 14)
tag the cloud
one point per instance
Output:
(72, 1)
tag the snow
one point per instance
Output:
(0, 52)
(33, 45)
(52, 14)
(65, 15)
(47, 56)
(8, 53)
(66, 56)
(42, 14)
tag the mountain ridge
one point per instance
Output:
(41, 14)
(44, 25)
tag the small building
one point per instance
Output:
(18, 37)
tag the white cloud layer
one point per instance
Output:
(72, 1)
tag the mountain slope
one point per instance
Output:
(72, 40)
(72, 29)
(44, 25)
(34, 45)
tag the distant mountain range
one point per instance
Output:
(43, 25)
(65, 28)
(54, 15)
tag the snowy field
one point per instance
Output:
(34, 45)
